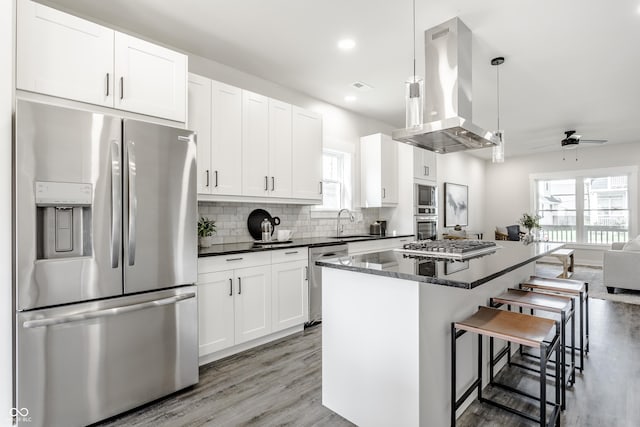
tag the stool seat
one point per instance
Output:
(569, 286)
(536, 301)
(516, 327)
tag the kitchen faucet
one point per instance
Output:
(338, 228)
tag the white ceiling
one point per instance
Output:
(570, 64)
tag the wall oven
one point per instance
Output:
(425, 199)
(426, 227)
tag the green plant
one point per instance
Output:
(206, 227)
(529, 221)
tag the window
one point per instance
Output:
(590, 209)
(336, 180)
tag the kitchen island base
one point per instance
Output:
(386, 345)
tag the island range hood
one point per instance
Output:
(447, 107)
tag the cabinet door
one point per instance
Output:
(215, 311)
(255, 144)
(280, 146)
(389, 164)
(151, 79)
(252, 303)
(61, 55)
(307, 154)
(199, 120)
(424, 164)
(226, 139)
(290, 294)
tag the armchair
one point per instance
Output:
(511, 232)
(621, 268)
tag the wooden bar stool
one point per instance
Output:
(572, 288)
(518, 328)
(561, 305)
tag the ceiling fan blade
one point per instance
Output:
(593, 141)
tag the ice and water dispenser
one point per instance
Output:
(63, 227)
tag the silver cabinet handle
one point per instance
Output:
(320, 187)
(116, 203)
(266, 183)
(291, 253)
(207, 178)
(121, 87)
(239, 285)
(216, 176)
(306, 273)
(230, 287)
(106, 312)
(233, 259)
(107, 92)
(273, 183)
(133, 201)
(384, 193)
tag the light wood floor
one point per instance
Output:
(280, 384)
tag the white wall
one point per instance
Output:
(342, 129)
(508, 186)
(462, 168)
(7, 8)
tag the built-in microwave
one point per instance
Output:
(425, 199)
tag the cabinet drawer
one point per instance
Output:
(292, 254)
(232, 261)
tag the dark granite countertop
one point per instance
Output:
(466, 274)
(244, 247)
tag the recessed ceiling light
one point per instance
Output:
(347, 44)
(350, 98)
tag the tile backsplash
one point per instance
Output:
(231, 220)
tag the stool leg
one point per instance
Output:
(543, 386)
(563, 373)
(479, 367)
(586, 310)
(581, 333)
(453, 375)
(490, 360)
(573, 340)
(558, 358)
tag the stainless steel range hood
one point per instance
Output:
(447, 94)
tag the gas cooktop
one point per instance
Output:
(449, 249)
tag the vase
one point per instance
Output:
(205, 242)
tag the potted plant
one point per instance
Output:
(206, 230)
(530, 222)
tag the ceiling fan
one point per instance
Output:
(572, 139)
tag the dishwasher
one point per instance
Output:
(315, 278)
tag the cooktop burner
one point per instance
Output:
(451, 249)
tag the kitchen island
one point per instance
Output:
(386, 329)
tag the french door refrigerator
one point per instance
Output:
(106, 262)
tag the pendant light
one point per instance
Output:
(498, 150)
(414, 91)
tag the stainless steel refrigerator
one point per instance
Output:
(106, 262)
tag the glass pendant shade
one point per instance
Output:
(498, 150)
(414, 97)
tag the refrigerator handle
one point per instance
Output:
(133, 201)
(38, 323)
(116, 204)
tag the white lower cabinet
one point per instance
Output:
(244, 297)
(215, 311)
(290, 294)
(252, 303)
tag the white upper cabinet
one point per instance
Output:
(424, 164)
(150, 79)
(280, 149)
(307, 154)
(226, 139)
(379, 171)
(255, 144)
(199, 120)
(64, 56)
